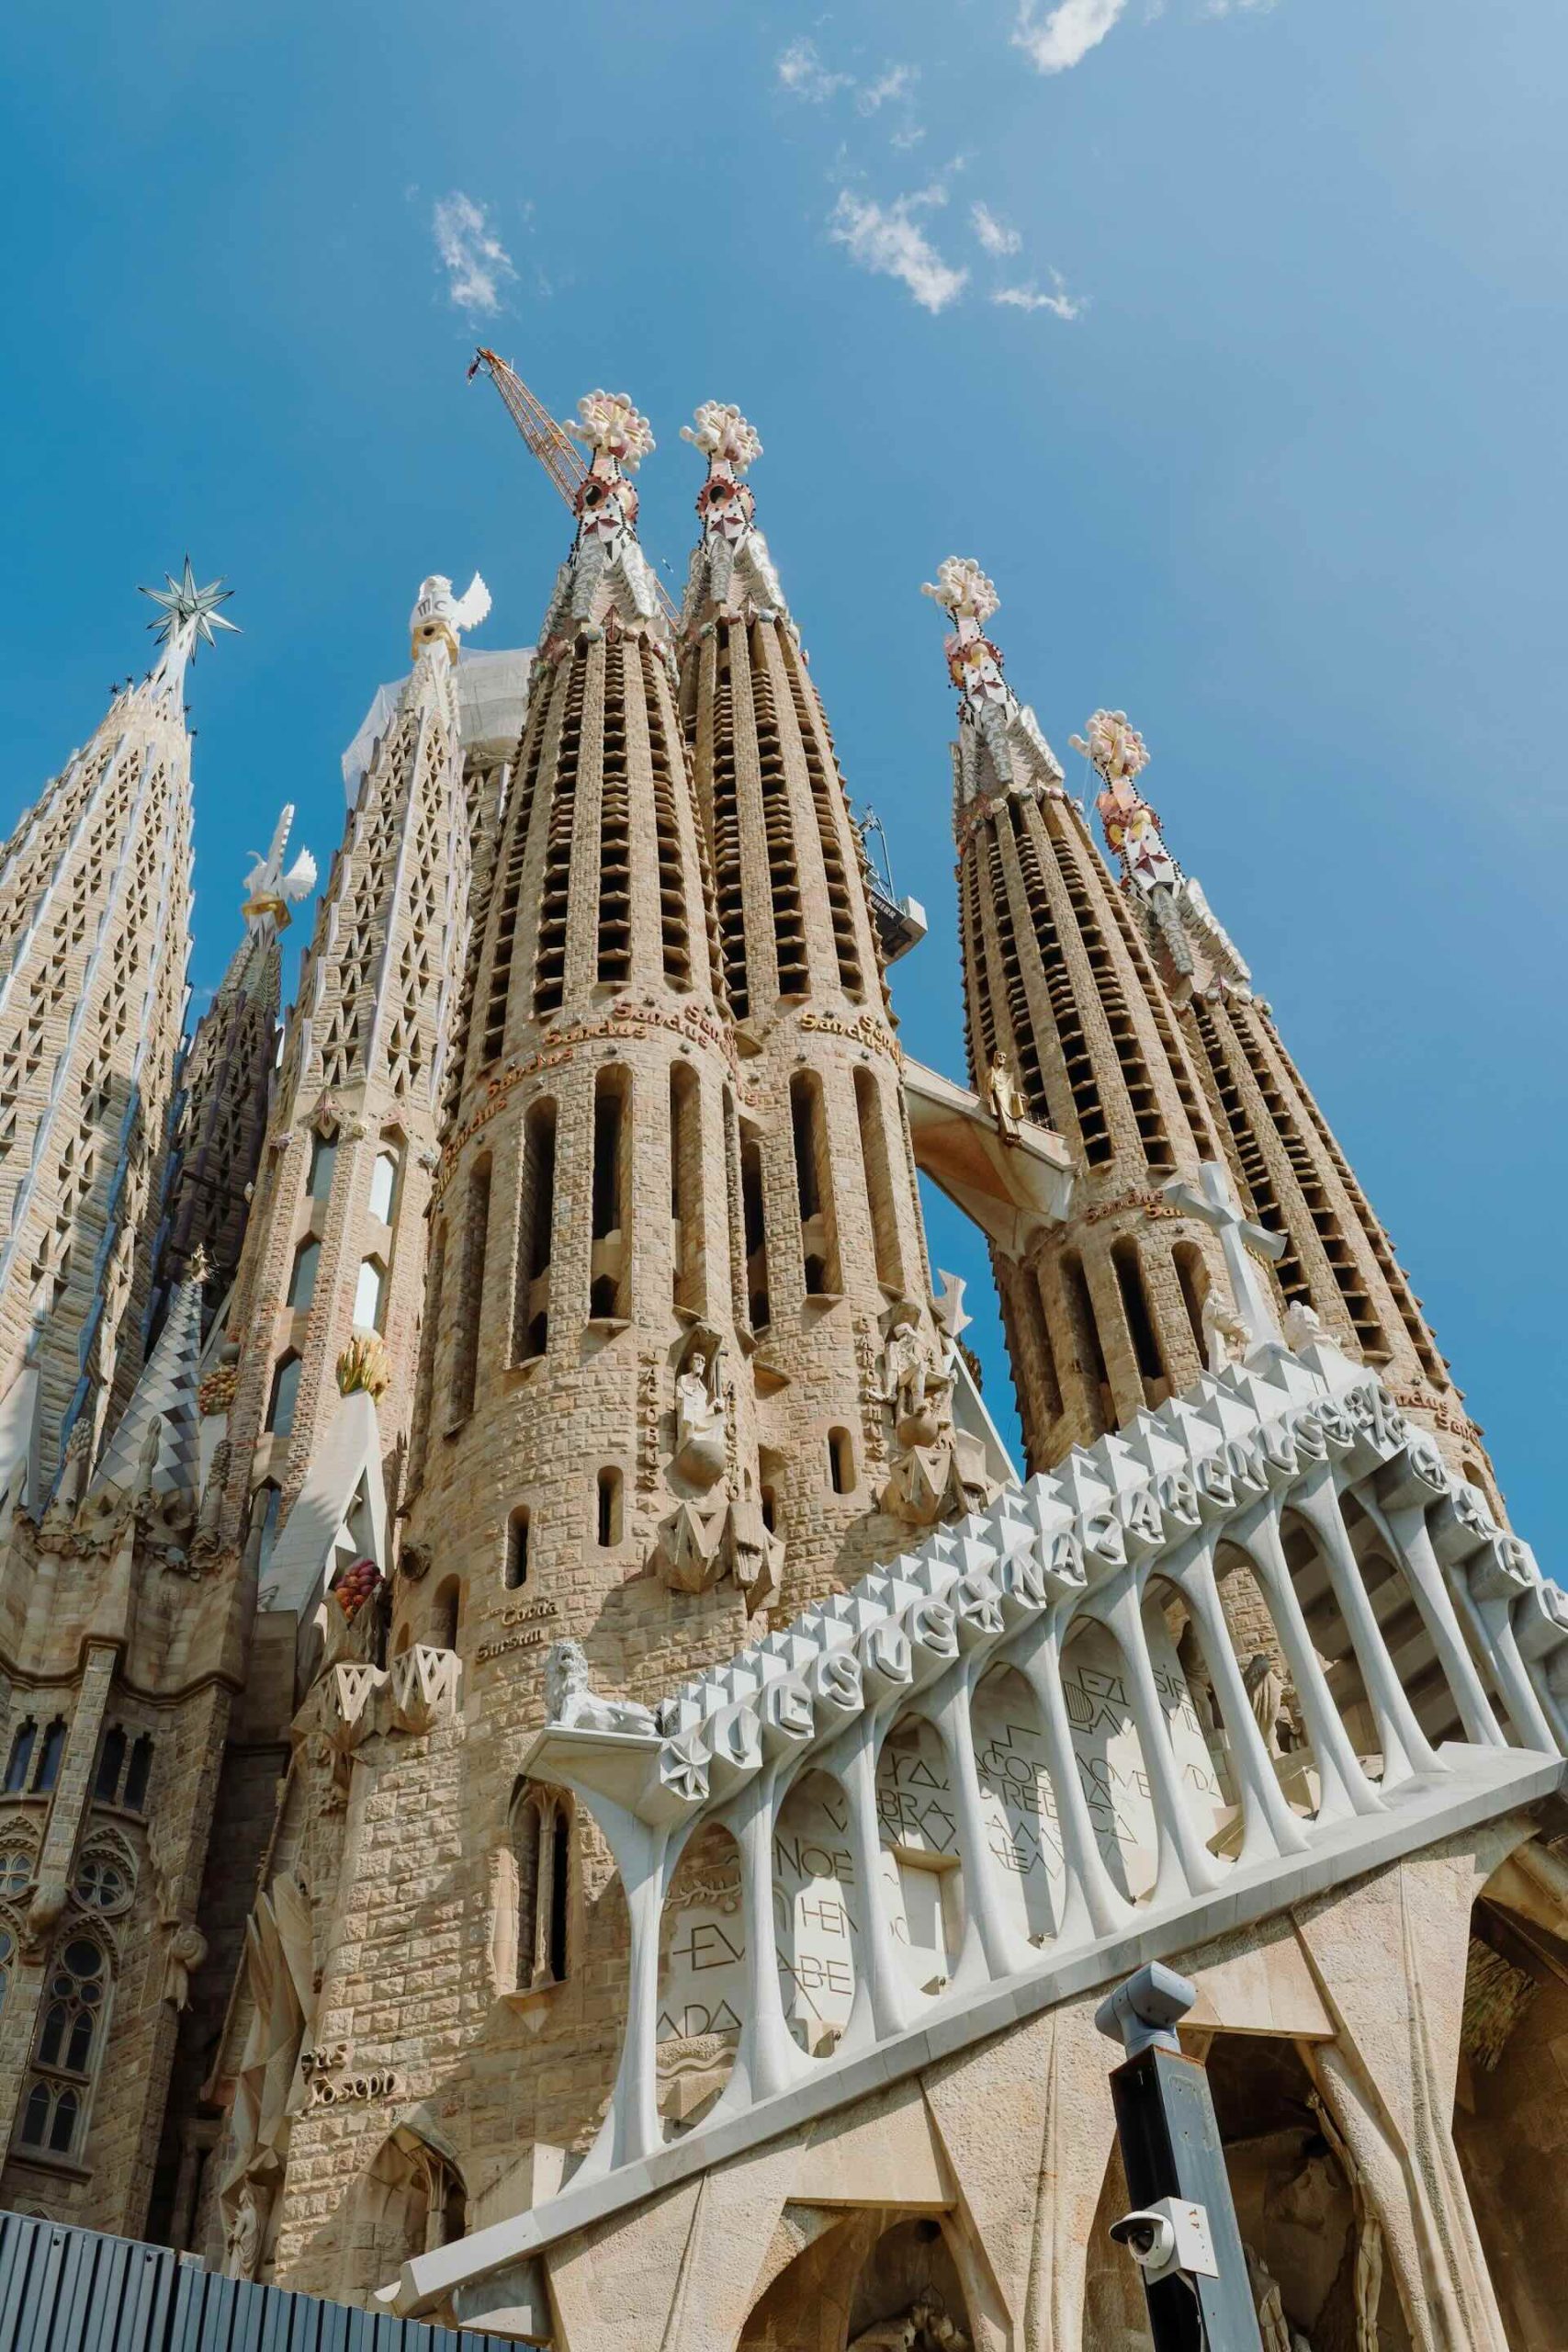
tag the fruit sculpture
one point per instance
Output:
(355, 1589)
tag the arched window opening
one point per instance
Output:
(536, 1222)
(770, 1503)
(23, 1741)
(759, 1309)
(111, 1764)
(69, 2038)
(1140, 1319)
(283, 1398)
(446, 1614)
(517, 1549)
(138, 1775)
(1194, 1275)
(470, 1291)
(323, 1158)
(611, 1218)
(541, 1850)
(53, 1748)
(384, 1183)
(736, 1223)
(878, 1182)
(1086, 1334)
(840, 1462)
(688, 1270)
(819, 1239)
(303, 1280)
(608, 1501)
(369, 1295)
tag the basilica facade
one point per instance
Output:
(557, 1774)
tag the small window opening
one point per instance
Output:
(609, 1507)
(53, 1748)
(139, 1775)
(840, 1462)
(517, 1549)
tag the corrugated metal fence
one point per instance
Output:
(72, 2291)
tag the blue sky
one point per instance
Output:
(1230, 339)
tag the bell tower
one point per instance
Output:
(855, 1379)
(1065, 1010)
(583, 1460)
(1337, 1260)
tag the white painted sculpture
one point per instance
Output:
(573, 1705)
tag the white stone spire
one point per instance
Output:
(607, 572)
(186, 614)
(164, 1402)
(730, 566)
(1000, 747)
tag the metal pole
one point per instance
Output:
(1199, 2297)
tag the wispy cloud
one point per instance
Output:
(1066, 33)
(801, 72)
(1059, 302)
(995, 235)
(896, 83)
(889, 241)
(476, 262)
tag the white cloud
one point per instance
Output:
(476, 262)
(1235, 7)
(1070, 30)
(801, 72)
(993, 235)
(897, 82)
(890, 242)
(909, 136)
(1059, 302)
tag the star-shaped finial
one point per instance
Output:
(183, 605)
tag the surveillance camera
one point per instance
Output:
(1170, 2236)
(1148, 2238)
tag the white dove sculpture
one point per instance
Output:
(438, 613)
(269, 891)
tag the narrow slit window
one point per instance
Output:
(840, 1462)
(470, 1293)
(878, 1182)
(517, 1549)
(536, 1231)
(608, 1502)
(1140, 1315)
(756, 1232)
(688, 1286)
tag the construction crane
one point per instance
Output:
(550, 443)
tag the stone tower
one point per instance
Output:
(1338, 1260)
(226, 1079)
(854, 1380)
(124, 1655)
(336, 1250)
(586, 1355)
(95, 934)
(1067, 1022)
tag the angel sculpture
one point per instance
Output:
(269, 891)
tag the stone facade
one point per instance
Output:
(551, 1770)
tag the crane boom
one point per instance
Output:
(550, 442)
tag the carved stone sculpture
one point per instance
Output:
(242, 2238)
(1004, 1096)
(185, 1952)
(1303, 1326)
(916, 1382)
(1226, 1336)
(1266, 1692)
(573, 1705)
(702, 1424)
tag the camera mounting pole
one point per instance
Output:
(1171, 2149)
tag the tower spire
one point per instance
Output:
(95, 903)
(1063, 1001)
(227, 1077)
(860, 1386)
(607, 574)
(187, 616)
(335, 1243)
